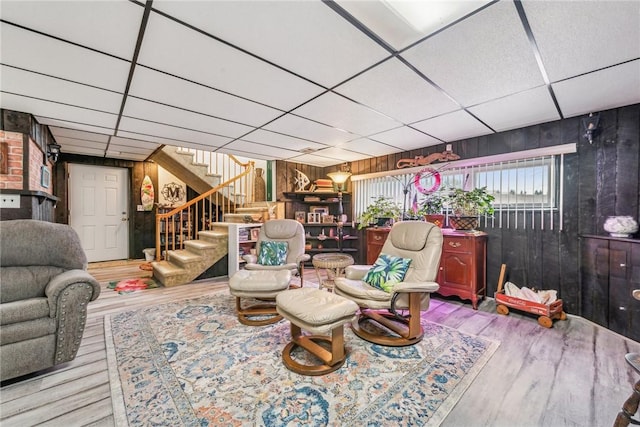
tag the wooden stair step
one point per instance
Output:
(254, 209)
(196, 245)
(243, 218)
(182, 257)
(166, 269)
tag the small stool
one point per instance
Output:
(262, 285)
(334, 264)
(318, 312)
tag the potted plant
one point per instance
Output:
(382, 211)
(432, 207)
(467, 205)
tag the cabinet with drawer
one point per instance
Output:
(463, 265)
(610, 272)
(375, 239)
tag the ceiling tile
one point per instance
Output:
(405, 138)
(300, 42)
(31, 51)
(368, 147)
(130, 149)
(160, 87)
(78, 134)
(144, 128)
(282, 141)
(396, 30)
(339, 112)
(253, 156)
(222, 67)
(602, 90)
(147, 145)
(73, 126)
(453, 126)
(576, 37)
(84, 151)
(308, 129)
(484, 57)
(52, 89)
(252, 147)
(57, 111)
(397, 91)
(114, 154)
(313, 160)
(110, 27)
(160, 113)
(67, 143)
(515, 111)
(341, 154)
(161, 140)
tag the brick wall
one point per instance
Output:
(35, 169)
(14, 179)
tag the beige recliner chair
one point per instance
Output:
(44, 292)
(281, 230)
(280, 253)
(417, 241)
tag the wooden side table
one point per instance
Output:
(334, 264)
(630, 406)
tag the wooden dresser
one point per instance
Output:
(375, 239)
(463, 264)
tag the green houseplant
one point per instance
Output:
(467, 205)
(432, 208)
(381, 207)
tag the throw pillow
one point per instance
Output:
(272, 253)
(386, 271)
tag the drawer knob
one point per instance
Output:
(377, 237)
(623, 265)
(455, 244)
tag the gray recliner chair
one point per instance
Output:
(44, 292)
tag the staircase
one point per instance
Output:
(184, 265)
(186, 237)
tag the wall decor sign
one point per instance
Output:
(45, 176)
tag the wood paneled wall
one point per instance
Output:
(601, 179)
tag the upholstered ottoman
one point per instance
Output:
(320, 313)
(259, 284)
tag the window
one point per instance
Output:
(526, 186)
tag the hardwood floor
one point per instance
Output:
(571, 375)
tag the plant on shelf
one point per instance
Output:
(467, 205)
(381, 208)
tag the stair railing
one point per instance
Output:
(184, 222)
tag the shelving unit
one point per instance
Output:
(299, 202)
(237, 244)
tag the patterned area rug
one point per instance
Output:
(191, 363)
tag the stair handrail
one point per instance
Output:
(249, 169)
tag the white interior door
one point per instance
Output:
(98, 210)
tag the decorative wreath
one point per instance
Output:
(427, 172)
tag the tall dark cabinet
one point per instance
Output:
(610, 271)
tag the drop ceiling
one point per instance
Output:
(315, 82)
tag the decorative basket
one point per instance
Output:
(463, 222)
